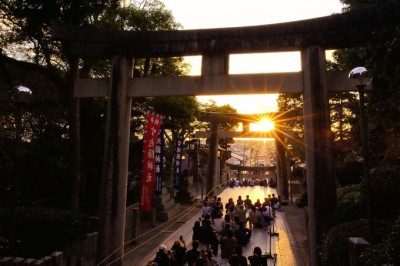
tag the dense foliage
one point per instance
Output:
(44, 230)
(60, 161)
(381, 57)
(335, 247)
(30, 56)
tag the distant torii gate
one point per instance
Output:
(311, 37)
(215, 118)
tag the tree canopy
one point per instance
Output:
(53, 119)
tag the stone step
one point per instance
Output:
(165, 206)
(184, 197)
(168, 213)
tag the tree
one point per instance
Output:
(179, 114)
(381, 57)
(27, 36)
(294, 125)
(225, 122)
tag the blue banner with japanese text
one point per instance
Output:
(159, 161)
(178, 160)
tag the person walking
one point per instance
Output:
(178, 252)
(248, 203)
(193, 254)
(210, 237)
(197, 232)
(206, 209)
(218, 223)
(162, 257)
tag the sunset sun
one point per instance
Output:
(264, 125)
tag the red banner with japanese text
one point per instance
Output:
(148, 165)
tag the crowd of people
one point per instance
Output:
(264, 182)
(223, 228)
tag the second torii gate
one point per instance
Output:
(246, 119)
(310, 37)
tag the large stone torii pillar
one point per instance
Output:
(318, 138)
(282, 170)
(115, 166)
(213, 64)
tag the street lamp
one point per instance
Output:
(288, 151)
(361, 79)
(20, 95)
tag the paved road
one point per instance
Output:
(289, 246)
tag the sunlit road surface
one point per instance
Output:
(283, 245)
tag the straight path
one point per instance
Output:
(288, 245)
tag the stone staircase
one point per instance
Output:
(185, 198)
(165, 206)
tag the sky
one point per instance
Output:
(202, 14)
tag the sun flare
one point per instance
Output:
(262, 126)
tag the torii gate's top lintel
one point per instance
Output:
(217, 116)
(331, 32)
(249, 118)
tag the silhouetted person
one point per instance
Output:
(241, 212)
(197, 232)
(237, 258)
(162, 257)
(242, 234)
(179, 252)
(247, 202)
(257, 259)
(194, 253)
(228, 244)
(254, 217)
(210, 236)
(226, 229)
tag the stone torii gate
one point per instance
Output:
(247, 119)
(311, 37)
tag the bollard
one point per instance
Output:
(135, 225)
(6, 261)
(39, 262)
(356, 246)
(57, 258)
(48, 261)
(153, 217)
(17, 261)
(29, 262)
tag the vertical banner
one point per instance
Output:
(159, 161)
(198, 160)
(148, 165)
(178, 160)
